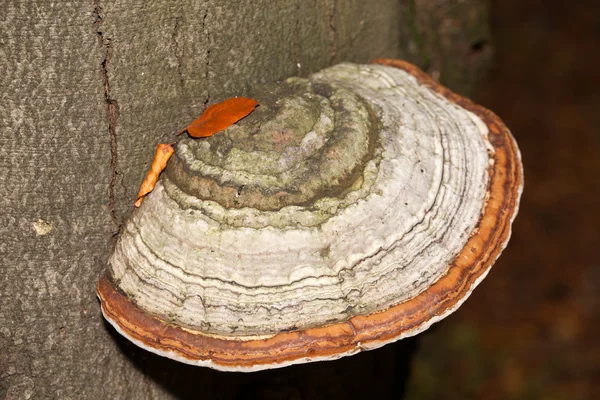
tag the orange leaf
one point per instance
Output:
(220, 116)
(163, 153)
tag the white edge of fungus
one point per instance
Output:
(360, 346)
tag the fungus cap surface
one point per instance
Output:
(350, 210)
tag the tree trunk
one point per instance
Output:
(87, 91)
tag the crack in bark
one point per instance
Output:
(178, 50)
(208, 39)
(112, 111)
(332, 33)
(297, 41)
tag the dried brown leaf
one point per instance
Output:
(161, 157)
(220, 116)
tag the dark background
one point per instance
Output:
(531, 330)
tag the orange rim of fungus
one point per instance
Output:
(359, 332)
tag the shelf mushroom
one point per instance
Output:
(350, 210)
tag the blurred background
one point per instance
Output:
(531, 330)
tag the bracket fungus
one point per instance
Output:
(351, 209)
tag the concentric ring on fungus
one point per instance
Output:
(351, 209)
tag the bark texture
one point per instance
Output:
(88, 89)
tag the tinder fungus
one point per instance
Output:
(349, 210)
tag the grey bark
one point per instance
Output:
(87, 90)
